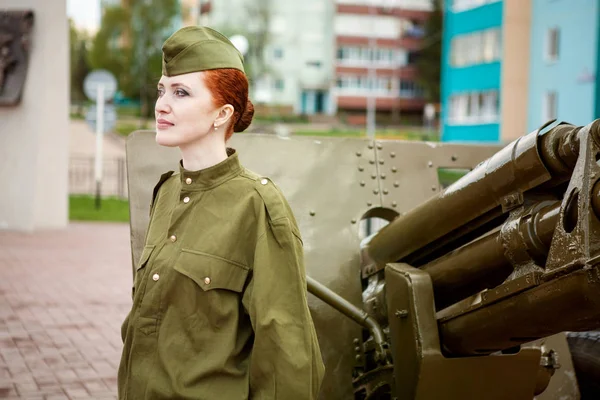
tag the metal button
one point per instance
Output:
(173, 238)
(188, 181)
(207, 280)
(264, 181)
(186, 200)
(155, 277)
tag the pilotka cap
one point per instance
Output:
(199, 48)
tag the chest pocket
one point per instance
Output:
(213, 287)
(139, 268)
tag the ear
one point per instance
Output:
(224, 115)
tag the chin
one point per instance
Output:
(164, 139)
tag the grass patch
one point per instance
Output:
(83, 208)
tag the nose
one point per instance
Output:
(162, 105)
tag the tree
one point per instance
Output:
(79, 66)
(430, 55)
(129, 44)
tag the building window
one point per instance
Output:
(463, 5)
(278, 52)
(550, 108)
(476, 48)
(361, 85)
(552, 41)
(410, 89)
(474, 108)
(279, 84)
(364, 56)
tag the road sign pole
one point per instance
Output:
(99, 140)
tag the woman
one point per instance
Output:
(219, 303)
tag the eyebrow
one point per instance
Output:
(174, 85)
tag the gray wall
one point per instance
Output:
(34, 134)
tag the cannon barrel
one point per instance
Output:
(494, 185)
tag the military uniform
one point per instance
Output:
(219, 302)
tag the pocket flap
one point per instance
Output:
(145, 256)
(211, 272)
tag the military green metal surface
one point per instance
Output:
(331, 183)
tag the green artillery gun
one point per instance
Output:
(467, 290)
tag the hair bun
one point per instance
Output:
(245, 119)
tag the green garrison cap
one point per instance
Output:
(198, 48)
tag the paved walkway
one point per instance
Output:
(63, 296)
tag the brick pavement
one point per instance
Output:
(63, 296)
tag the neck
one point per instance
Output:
(204, 153)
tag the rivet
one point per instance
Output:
(370, 145)
(361, 168)
(394, 169)
(371, 161)
(433, 188)
(353, 220)
(369, 204)
(356, 341)
(358, 357)
(373, 176)
(385, 191)
(379, 146)
(430, 164)
(381, 162)
(394, 204)
(358, 154)
(382, 176)
(396, 184)
(357, 349)
(454, 158)
(393, 154)
(375, 191)
(312, 213)
(362, 183)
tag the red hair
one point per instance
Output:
(230, 86)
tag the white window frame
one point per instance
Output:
(474, 108)
(550, 100)
(465, 5)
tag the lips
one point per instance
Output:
(162, 123)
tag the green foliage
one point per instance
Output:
(129, 43)
(79, 65)
(430, 57)
(83, 208)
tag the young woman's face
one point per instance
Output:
(184, 110)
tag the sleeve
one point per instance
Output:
(286, 360)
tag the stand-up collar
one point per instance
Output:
(212, 176)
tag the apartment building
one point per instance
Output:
(564, 62)
(376, 47)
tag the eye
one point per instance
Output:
(180, 93)
(160, 91)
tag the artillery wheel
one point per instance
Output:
(585, 352)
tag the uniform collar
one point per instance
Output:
(212, 176)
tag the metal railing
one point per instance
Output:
(82, 176)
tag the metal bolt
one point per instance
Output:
(361, 168)
(358, 357)
(385, 191)
(373, 176)
(393, 154)
(356, 341)
(454, 158)
(396, 184)
(382, 176)
(433, 188)
(381, 162)
(379, 146)
(358, 154)
(375, 191)
(357, 349)
(370, 145)
(362, 183)
(369, 203)
(401, 313)
(394, 204)
(312, 213)
(371, 161)
(394, 169)
(430, 164)
(353, 220)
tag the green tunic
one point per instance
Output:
(219, 300)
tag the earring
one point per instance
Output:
(215, 127)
